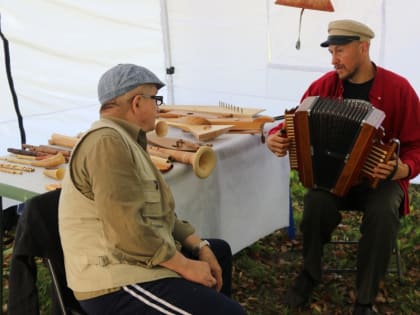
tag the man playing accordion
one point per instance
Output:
(357, 77)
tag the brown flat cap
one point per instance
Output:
(342, 32)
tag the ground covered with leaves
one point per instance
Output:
(264, 271)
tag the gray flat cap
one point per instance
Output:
(123, 78)
(342, 32)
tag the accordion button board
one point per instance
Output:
(336, 143)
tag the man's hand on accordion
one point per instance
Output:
(393, 169)
(278, 144)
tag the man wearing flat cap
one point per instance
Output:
(342, 32)
(355, 76)
(125, 250)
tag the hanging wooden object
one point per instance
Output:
(322, 5)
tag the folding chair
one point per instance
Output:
(37, 236)
(343, 241)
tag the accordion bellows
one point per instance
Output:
(336, 143)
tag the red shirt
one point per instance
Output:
(394, 95)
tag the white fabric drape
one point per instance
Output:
(58, 51)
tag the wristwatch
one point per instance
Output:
(196, 249)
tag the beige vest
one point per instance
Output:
(89, 262)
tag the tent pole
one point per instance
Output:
(170, 69)
(382, 44)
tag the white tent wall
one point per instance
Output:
(243, 52)
(240, 52)
(58, 51)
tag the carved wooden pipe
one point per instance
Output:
(203, 161)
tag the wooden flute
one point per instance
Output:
(47, 150)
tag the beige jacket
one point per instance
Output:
(116, 213)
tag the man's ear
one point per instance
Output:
(365, 46)
(135, 103)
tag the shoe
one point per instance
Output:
(298, 294)
(363, 310)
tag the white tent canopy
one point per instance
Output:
(238, 52)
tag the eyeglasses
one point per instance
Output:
(158, 98)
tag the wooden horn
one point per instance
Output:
(203, 160)
(161, 128)
(56, 173)
(62, 140)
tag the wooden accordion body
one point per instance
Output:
(336, 143)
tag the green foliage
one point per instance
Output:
(296, 188)
(414, 192)
(44, 288)
(297, 192)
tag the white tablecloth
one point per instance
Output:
(246, 197)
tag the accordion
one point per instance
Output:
(335, 144)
